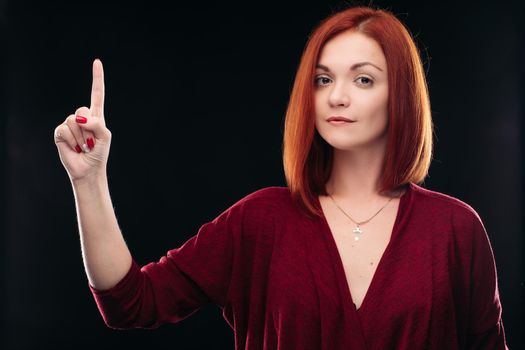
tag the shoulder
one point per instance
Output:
(438, 203)
(266, 199)
(271, 194)
(257, 215)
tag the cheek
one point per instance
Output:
(374, 106)
(319, 101)
(320, 107)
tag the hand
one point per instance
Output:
(84, 147)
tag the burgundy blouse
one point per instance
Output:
(279, 280)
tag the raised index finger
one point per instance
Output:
(97, 90)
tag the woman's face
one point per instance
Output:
(351, 81)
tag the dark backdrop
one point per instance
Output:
(195, 99)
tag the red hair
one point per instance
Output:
(307, 158)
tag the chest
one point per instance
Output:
(361, 257)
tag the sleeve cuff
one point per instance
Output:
(123, 284)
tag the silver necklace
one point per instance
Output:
(357, 231)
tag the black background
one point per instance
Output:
(195, 99)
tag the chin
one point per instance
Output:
(344, 146)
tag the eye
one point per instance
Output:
(365, 81)
(323, 79)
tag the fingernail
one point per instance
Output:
(90, 143)
(85, 148)
(78, 149)
(81, 120)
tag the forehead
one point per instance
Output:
(349, 47)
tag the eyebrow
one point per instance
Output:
(353, 67)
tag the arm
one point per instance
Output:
(106, 257)
(186, 278)
(126, 294)
(485, 322)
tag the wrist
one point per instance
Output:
(90, 180)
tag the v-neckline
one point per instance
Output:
(336, 256)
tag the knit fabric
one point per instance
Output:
(279, 280)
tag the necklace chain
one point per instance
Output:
(358, 230)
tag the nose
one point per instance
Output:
(339, 96)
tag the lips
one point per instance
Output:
(340, 119)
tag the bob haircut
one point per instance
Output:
(307, 157)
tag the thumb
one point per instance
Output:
(96, 125)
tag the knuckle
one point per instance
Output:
(60, 133)
(60, 129)
(70, 119)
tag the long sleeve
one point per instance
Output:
(485, 330)
(188, 277)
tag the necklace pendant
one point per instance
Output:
(357, 231)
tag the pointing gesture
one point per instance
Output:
(83, 141)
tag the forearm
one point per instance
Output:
(106, 257)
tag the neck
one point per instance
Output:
(355, 174)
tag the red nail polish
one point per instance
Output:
(78, 149)
(90, 143)
(81, 120)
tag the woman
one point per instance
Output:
(353, 254)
